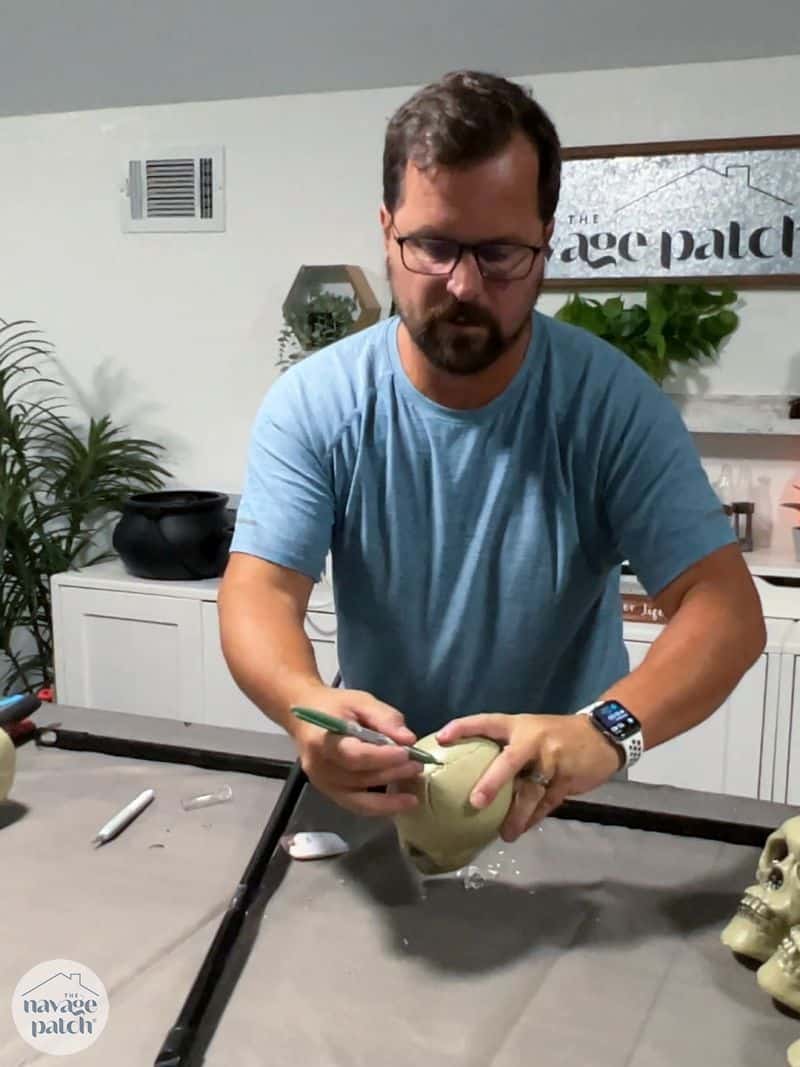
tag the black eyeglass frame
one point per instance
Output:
(463, 247)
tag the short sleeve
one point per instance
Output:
(662, 513)
(287, 507)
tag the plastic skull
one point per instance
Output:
(768, 910)
(780, 975)
(444, 832)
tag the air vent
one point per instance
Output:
(174, 192)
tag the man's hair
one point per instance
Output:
(464, 118)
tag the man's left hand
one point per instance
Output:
(567, 751)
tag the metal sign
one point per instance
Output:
(723, 212)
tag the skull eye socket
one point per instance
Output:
(769, 873)
(777, 851)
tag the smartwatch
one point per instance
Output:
(622, 729)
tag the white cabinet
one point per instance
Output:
(320, 627)
(147, 647)
(787, 741)
(732, 751)
(127, 652)
(222, 699)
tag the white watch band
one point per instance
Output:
(632, 747)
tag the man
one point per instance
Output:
(479, 472)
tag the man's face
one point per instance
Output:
(461, 321)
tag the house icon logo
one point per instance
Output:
(60, 1007)
(711, 183)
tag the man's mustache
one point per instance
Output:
(454, 311)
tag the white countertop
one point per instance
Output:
(113, 575)
(765, 561)
(780, 600)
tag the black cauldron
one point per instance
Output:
(176, 534)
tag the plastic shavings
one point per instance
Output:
(473, 878)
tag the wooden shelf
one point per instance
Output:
(737, 414)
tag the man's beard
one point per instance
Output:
(456, 337)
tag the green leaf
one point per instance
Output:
(657, 307)
(613, 308)
(678, 324)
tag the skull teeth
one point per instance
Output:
(757, 912)
(787, 955)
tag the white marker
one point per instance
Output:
(126, 816)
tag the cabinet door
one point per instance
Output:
(327, 660)
(776, 744)
(321, 628)
(722, 754)
(225, 704)
(129, 652)
(792, 764)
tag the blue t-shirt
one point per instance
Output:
(476, 553)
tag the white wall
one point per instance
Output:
(176, 333)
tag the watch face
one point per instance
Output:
(616, 720)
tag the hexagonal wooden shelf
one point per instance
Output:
(309, 277)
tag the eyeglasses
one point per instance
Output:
(496, 261)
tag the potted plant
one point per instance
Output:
(677, 324)
(60, 485)
(320, 319)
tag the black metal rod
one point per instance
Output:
(178, 1046)
(82, 741)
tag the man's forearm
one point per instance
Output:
(267, 650)
(693, 666)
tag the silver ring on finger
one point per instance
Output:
(538, 778)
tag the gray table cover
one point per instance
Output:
(586, 946)
(142, 910)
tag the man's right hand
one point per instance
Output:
(344, 768)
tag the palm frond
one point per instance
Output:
(60, 485)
